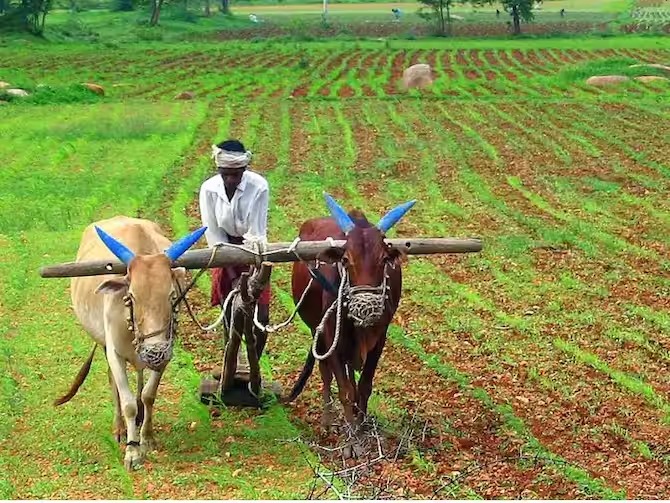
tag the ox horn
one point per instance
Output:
(344, 221)
(394, 215)
(179, 248)
(120, 250)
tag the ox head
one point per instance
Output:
(365, 253)
(150, 291)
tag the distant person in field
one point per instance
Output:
(396, 14)
(497, 12)
(253, 18)
(562, 12)
(234, 205)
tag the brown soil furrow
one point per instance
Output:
(323, 66)
(495, 59)
(397, 68)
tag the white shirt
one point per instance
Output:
(246, 213)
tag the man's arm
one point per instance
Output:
(258, 225)
(213, 234)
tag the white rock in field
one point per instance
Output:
(606, 80)
(652, 65)
(418, 75)
(19, 93)
(651, 78)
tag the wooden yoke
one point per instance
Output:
(275, 253)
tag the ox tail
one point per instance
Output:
(79, 380)
(302, 380)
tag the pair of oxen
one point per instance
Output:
(134, 317)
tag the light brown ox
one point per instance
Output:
(133, 317)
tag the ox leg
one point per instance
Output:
(119, 426)
(140, 408)
(365, 382)
(345, 388)
(147, 441)
(347, 394)
(326, 395)
(128, 400)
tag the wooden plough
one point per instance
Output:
(240, 308)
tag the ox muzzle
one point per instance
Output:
(366, 304)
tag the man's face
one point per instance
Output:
(231, 176)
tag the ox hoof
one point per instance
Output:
(133, 459)
(355, 450)
(328, 421)
(148, 445)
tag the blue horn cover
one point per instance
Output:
(118, 249)
(179, 248)
(343, 220)
(394, 215)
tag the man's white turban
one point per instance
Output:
(228, 159)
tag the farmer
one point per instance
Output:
(233, 204)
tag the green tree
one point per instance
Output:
(156, 6)
(439, 11)
(518, 9)
(29, 15)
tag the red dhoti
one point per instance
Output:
(223, 277)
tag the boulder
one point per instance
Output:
(606, 80)
(97, 89)
(657, 66)
(417, 76)
(19, 93)
(185, 95)
(651, 78)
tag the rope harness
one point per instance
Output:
(155, 355)
(365, 307)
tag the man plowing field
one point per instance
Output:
(234, 205)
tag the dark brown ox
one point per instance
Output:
(371, 272)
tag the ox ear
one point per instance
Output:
(179, 274)
(398, 256)
(344, 221)
(178, 248)
(331, 255)
(394, 215)
(114, 285)
(122, 252)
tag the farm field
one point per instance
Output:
(537, 368)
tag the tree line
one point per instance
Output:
(30, 15)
